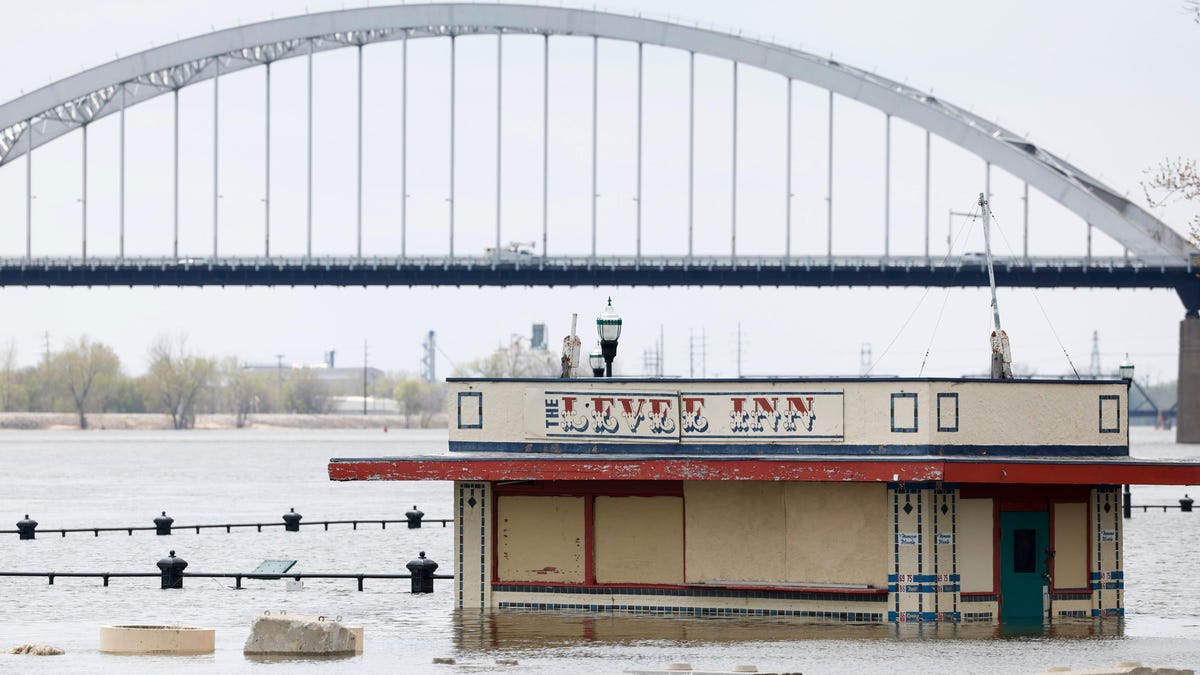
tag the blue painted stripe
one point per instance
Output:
(1117, 574)
(924, 578)
(892, 588)
(893, 578)
(929, 616)
(667, 447)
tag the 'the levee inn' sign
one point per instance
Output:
(674, 416)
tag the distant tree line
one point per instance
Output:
(87, 377)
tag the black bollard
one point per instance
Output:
(172, 571)
(291, 521)
(422, 570)
(26, 527)
(1185, 504)
(1127, 503)
(162, 524)
(414, 517)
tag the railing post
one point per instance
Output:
(172, 571)
(414, 517)
(1127, 503)
(162, 524)
(1185, 504)
(26, 527)
(291, 521)
(422, 570)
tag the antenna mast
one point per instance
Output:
(1001, 352)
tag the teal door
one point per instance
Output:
(1024, 553)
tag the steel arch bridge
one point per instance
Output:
(1156, 256)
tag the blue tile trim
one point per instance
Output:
(1115, 574)
(691, 592)
(864, 617)
(944, 425)
(462, 396)
(744, 450)
(904, 430)
(1070, 596)
(1076, 613)
(1119, 611)
(1115, 429)
(981, 598)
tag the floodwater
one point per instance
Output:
(112, 479)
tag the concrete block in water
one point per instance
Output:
(294, 634)
(156, 640)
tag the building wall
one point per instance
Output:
(882, 415)
(639, 540)
(540, 539)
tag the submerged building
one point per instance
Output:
(879, 500)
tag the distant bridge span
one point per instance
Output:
(40, 116)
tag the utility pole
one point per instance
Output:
(428, 362)
(364, 376)
(1095, 365)
(279, 380)
(46, 344)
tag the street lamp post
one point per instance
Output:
(1126, 370)
(608, 325)
(596, 361)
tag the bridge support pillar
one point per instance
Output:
(1187, 429)
(1187, 418)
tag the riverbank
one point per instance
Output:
(156, 421)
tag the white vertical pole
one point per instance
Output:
(829, 186)
(691, 147)
(267, 168)
(595, 77)
(452, 66)
(121, 204)
(1025, 207)
(927, 194)
(545, 141)
(887, 186)
(216, 152)
(404, 150)
(83, 197)
(987, 179)
(29, 184)
(499, 129)
(175, 177)
(733, 177)
(639, 155)
(788, 178)
(309, 220)
(360, 149)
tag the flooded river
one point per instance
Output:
(112, 479)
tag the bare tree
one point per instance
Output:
(514, 360)
(1175, 180)
(81, 369)
(305, 393)
(244, 392)
(9, 376)
(176, 378)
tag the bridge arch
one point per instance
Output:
(42, 115)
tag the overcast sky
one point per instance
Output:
(1108, 85)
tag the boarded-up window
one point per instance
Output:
(639, 540)
(1070, 545)
(976, 532)
(786, 533)
(540, 539)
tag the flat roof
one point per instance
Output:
(1058, 471)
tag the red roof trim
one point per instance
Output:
(1102, 472)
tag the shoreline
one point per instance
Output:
(161, 422)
